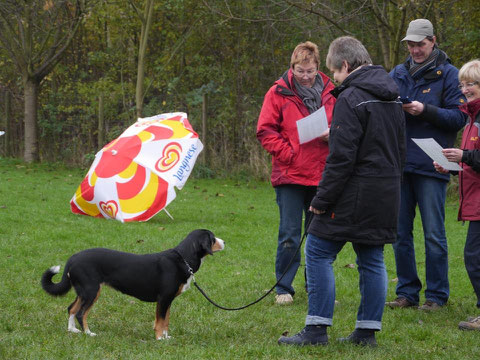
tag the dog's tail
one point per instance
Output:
(57, 289)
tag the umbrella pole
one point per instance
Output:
(170, 216)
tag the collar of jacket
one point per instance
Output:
(337, 90)
(434, 72)
(286, 90)
(471, 108)
(345, 84)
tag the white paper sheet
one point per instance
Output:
(434, 150)
(312, 126)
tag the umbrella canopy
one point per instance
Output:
(133, 177)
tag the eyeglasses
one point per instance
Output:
(301, 73)
(467, 85)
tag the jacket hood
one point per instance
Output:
(372, 79)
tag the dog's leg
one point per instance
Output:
(72, 311)
(162, 319)
(87, 303)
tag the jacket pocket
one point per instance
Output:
(378, 202)
(344, 209)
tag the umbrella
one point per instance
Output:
(133, 177)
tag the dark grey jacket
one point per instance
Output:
(360, 188)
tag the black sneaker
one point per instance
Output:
(310, 335)
(364, 337)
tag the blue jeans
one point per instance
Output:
(429, 193)
(293, 201)
(320, 255)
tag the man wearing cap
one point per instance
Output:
(428, 85)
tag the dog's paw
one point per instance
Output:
(74, 330)
(89, 333)
(164, 336)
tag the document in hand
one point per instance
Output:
(434, 150)
(312, 126)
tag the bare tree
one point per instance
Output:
(146, 20)
(35, 34)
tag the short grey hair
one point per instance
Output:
(349, 49)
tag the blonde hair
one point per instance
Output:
(470, 71)
(305, 52)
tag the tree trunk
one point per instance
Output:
(8, 125)
(31, 142)
(101, 127)
(204, 128)
(146, 25)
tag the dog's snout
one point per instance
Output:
(219, 244)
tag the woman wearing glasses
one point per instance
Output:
(468, 156)
(430, 82)
(296, 168)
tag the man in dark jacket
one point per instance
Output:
(430, 82)
(358, 197)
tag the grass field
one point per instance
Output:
(37, 230)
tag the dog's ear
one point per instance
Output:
(208, 242)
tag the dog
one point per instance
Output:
(158, 277)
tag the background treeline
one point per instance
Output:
(74, 74)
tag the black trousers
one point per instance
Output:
(471, 256)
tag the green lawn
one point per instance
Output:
(37, 230)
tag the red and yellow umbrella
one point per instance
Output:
(133, 177)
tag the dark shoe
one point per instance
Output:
(400, 302)
(310, 335)
(471, 324)
(430, 306)
(364, 337)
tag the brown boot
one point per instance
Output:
(473, 324)
(400, 302)
(430, 306)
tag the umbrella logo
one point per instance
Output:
(170, 157)
(110, 208)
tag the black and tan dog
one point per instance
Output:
(158, 277)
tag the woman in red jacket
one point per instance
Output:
(296, 168)
(469, 179)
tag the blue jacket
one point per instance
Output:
(437, 89)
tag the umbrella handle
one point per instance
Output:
(170, 216)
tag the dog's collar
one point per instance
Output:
(190, 270)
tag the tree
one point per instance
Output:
(36, 34)
(146, 20)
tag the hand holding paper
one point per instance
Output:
(434, 150)
(453, 155)
(312, 126)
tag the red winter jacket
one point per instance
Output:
(469, 178)
(292, 163)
